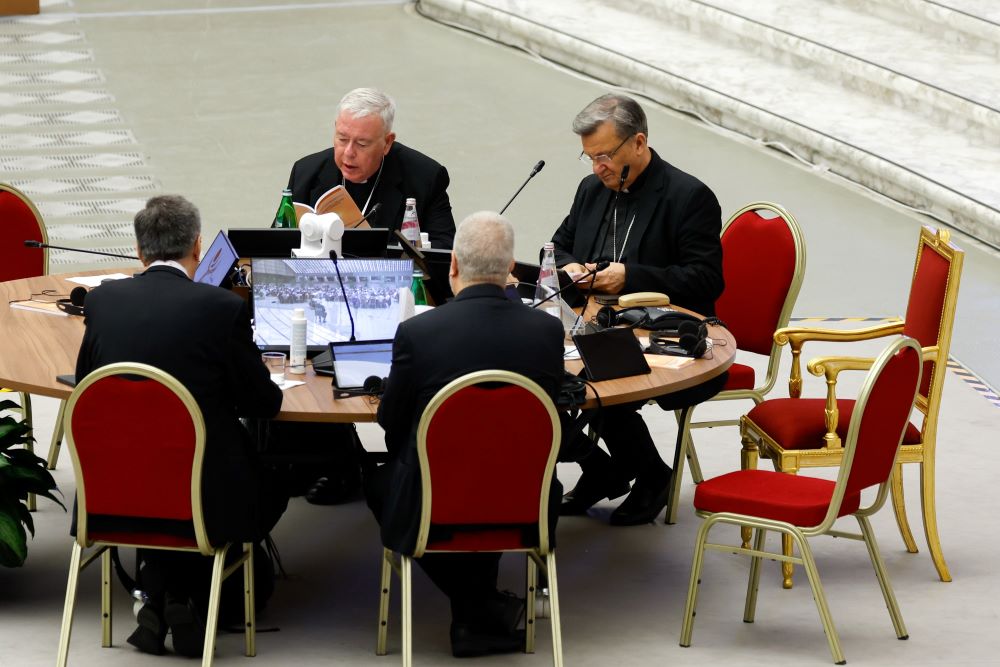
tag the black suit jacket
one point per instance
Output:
(405, 173)
(674, 245)
(201, 335)
(480, 329)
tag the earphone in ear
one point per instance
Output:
(74, 304)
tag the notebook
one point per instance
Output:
(217, 263)
(611, 354)
(356, 361)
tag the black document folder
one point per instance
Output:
(611, 354)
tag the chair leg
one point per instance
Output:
(57, 437)
(106, 598)
(385, 583)
(212, 620)
(67, 619)
(899, 508)
(753, 583)
(406, 579)
(809, 565)
(929, 508)
(697, 562)
(557, 655)
(249, 602)
(691, 454)
(748, 461)
(883, 577)
(529, 604)
(787, 569)
(683, 424)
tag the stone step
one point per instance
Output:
(900, 152)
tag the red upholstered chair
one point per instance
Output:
(489, 473)
(804, 507)
(137, 440)
(20, 221)
(763, 262)
(798, 432)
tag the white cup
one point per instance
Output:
(275, 362)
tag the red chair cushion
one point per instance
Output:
(798, 500)
(740, 377)
(143, 539)
(799, 423)
(19, 224)
(481, 540)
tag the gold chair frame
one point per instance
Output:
(79, 561)
(25, 397)
(541, 556)
(756, 442)
(773, 361)
(800, 535)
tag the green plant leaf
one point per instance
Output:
(13, 541)
(25, 516)
(24, 457)
(8, 404)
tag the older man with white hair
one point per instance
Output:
(375, 168)
(480, 329)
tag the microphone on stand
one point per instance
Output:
(333, 256)
(537, 168)
(367, 218)
(38, 244)
(614, 205)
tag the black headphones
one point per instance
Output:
(608, 316)
(74, 304)
(693, 341)
(373, 386)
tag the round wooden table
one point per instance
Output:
(36, 347)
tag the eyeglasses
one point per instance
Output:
(603, 159)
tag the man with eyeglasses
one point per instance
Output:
(658, 227)
(375, 168)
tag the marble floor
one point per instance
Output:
(103, 103)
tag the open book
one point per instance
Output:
(335, 200)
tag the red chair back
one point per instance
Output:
(137, 439)
(20, 222)
(881, 415)
(488, 444)
(761, 263)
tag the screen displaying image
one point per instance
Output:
(353, 363)
(372, 286)
(217, 262)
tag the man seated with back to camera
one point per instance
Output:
(375, 169)
(199, 334)
(659, 229)
(479, 329)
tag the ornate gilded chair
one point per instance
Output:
(802, 507)
(21, 221)
(489, 474)
(137, 440)
(799, 433)
(763, 263)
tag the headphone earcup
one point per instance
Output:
(606, 317)
(694, 345)
(374, 385)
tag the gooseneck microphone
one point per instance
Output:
(39, 244)
(537, 168)
(347, 302)
(614, 206)
(369, 216)
(589, 273)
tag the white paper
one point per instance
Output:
(571, 352)
(288, 384)
(94, 281)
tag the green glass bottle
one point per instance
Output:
(417, 287)
(284, 218)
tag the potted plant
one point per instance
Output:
(21, 473)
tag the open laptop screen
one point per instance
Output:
(282, 285)
(356, 361)
(217, 262)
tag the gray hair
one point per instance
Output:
(362, 102)
(167, 228)
(484, 248)
(626, 114)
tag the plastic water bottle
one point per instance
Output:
(411, 226)
(548, 281)
(297, 352)
(284, 217)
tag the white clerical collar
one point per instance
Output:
(171, 263)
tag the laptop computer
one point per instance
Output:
(282, 285)
(356, 361)
(364, 242)
(526, 272)
(216, 265)
(264, 242)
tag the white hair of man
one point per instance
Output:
(484, 248)
(362, 102)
